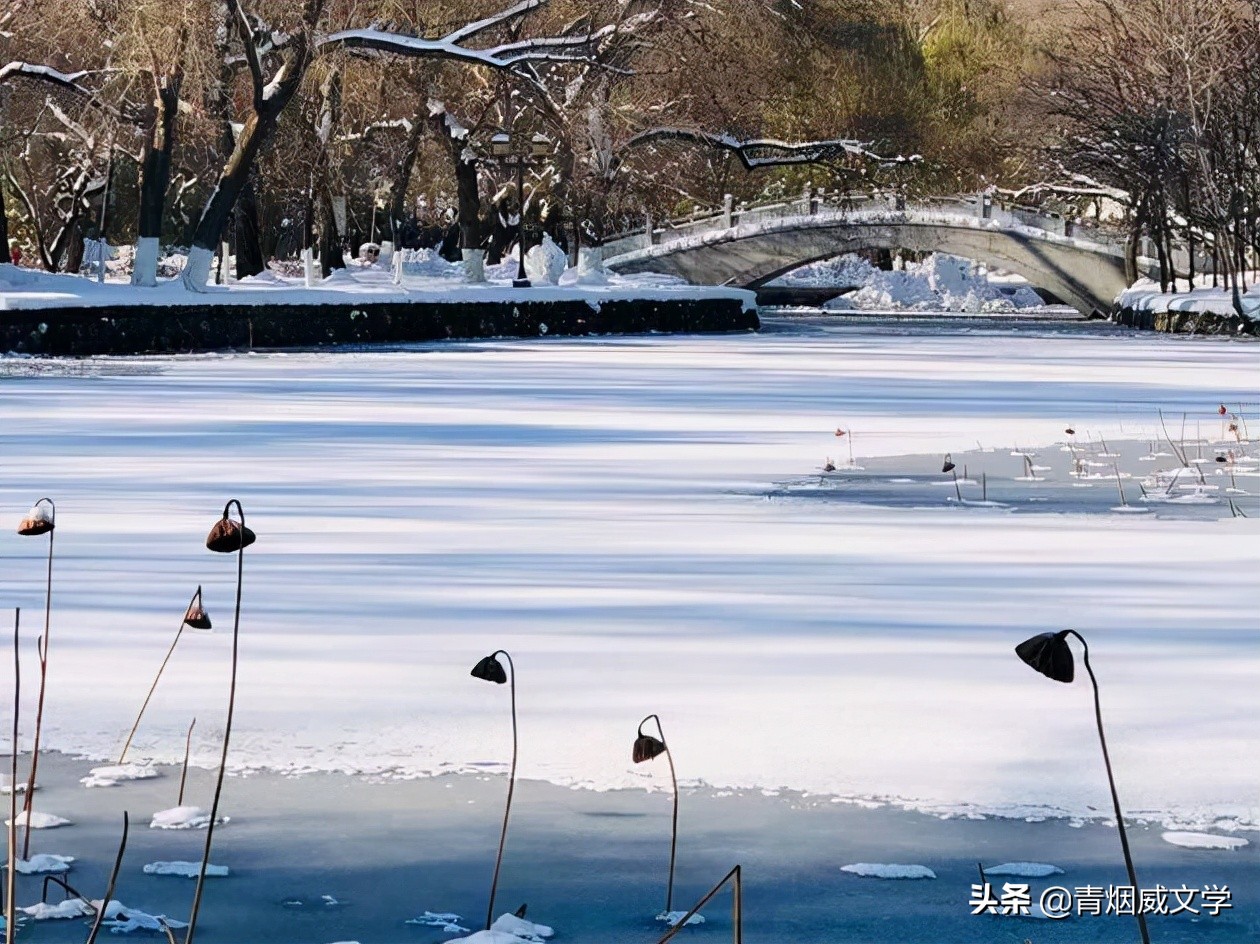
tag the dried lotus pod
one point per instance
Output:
(646, 747)
(39, 520)
(228, 536)
(948, 464)
(196, 616)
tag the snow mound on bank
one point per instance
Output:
(1204, 841)
(1025, 869)
(940, 282)
(40, 820)
(888, 870)
(185, 869)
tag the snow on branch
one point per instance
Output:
(1076, 185)
(504, 56)
(69, 81)
(756, 153)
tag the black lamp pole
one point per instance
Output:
(491, 670)
(647, 747)
(1050, 655)
(520, 281)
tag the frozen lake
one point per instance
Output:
(609, 510)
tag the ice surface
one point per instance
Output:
(599, 507)
(1204, 840)
(185, 869)
(673, 917)
(446, 920)
(888, 870)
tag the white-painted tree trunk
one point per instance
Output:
(144, 272)
(474, 265)
(197, 272)
(308, 266)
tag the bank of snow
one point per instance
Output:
(1146, 295)
(940, 282)
(431, 280)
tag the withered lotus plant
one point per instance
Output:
(195, 617)
(490, 669)
(646, 748)
(229, 535)
(41, 519)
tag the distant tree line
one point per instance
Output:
(321, 123)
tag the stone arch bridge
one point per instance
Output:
(749, 248)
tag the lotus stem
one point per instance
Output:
(113, 880)
(10, 908)
(28, 801)
(227, 728)
(183, 775)
(161, 668)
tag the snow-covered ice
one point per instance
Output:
(44, 863)
(1204, 840)
(185, 869)
(601, 508)
(121, 919)
(184, 817)
(446, 920)
(40, 820)
(60, 911)
(113, 774)
(673, 917)
(888, 870)
(1024, 869)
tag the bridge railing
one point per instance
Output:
(840, 203)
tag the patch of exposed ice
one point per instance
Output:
(888, 870)
(1025, 869)
(1204, 840)
(185, 869)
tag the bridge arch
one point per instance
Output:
(1086, 275)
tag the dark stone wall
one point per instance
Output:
(192, 328)
(1186, 322)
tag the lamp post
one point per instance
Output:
(647, 747)
(1050, 655)
(501, 147)
(490, 669)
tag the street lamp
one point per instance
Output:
(647, 747)
(1050, 655)
(490, 669)
(502, 148)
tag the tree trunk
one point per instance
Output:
(402, 177)
(469, 200)
(5, 258)
(155, 178)
(330, 241)
(249, 254)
